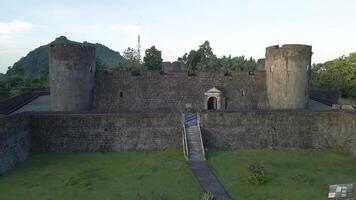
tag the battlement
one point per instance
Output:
(157, 73)
(289, 50)
(72, 52)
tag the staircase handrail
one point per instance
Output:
(201, 137)
(185, 142)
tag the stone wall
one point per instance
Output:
(85, 132)
(14, 141)
(105, 132)
(120, 91)
(280, 129)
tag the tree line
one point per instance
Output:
(202, 59)
(339, 74)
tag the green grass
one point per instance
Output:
(292, 174)
(129, 175)
(160, 175)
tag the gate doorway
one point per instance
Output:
(212, 103)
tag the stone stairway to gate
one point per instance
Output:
(193, 148)
(194, 142)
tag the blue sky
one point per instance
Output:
(232, 27)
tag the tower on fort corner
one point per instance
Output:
(71, 74)
(288, 71)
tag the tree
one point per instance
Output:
(207, 58)
(193, 58)
(15, 70)
(227, 64)
(338, 74)
(130, 59)
(200, 60)
(153, 59)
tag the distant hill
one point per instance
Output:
(2, 76)
(36, 61)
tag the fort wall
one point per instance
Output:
(280, 129)
(15, 142)
(151, 91)
(105, 132)
(25, 133)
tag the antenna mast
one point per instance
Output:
(139, 47)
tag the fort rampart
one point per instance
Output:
(105, 132)
(152, 91)
(280, 129)
(15, 141)
(85, 132)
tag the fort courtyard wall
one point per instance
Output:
(105, 132)
(280, 129)
(15, 141)
(152, 91)
(24, 133)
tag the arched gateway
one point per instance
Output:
(214, 99)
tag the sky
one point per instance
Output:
(175, 27)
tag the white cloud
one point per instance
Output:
(16, 26)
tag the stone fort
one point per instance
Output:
(94, 110)
(76, 86)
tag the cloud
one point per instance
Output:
(15, 26)
(125, 28)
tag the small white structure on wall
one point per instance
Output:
(214, 99)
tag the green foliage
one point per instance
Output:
(256, 174)
(207, 196)
(16, 69)
(227, 64)
(338, 74)
(13, 85)
(204, 59)
(153, 59)
(131, 60)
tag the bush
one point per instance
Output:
(256, 174)
(207, 196)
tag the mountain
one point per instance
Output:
(36, 61)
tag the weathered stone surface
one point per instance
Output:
(14, 141)
(60, 132)
(105, 132)
(71, 77)
(280, 129)
(120, 91)
(288, 69)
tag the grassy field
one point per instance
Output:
(164, 175)
(130, 175)
(291, 174)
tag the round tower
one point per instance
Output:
(71, 77)
(288, 70)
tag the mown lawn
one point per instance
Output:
(164, 175)
(291, 174)
(160, 175)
